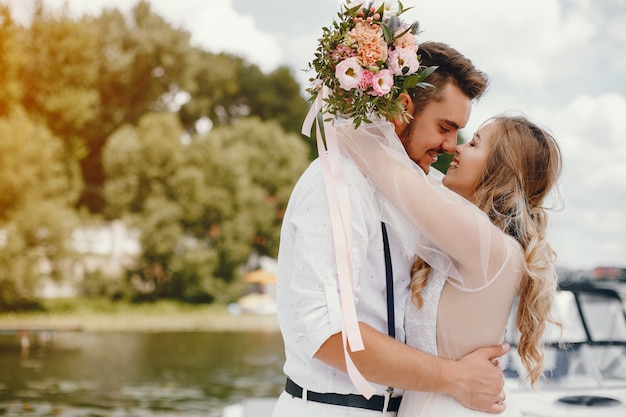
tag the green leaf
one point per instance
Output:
(403, 32)
(424, 84)
(424, 74)
(388, 34)
(410, 81)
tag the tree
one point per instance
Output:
(202, 208)
(59, 78)
(275, 96)
(225, 88)
(143, 62)
(121, 67)
(11, 62)
(257, 164)
(149, 183)
(68, 84)
(36, 215)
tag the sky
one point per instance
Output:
(562, 63)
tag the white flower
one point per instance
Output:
(349, 73)
(401, 58)
(382, 82)
(391, 7)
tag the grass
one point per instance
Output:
(164, 316)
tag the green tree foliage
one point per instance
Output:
(36, 214)
(142, 62)
(139, 161)
(226, 88)
(274, 96)
(59, 77)
(204, 207)
(11, 61)
(67, 85)
(86, 77)
(257, 164)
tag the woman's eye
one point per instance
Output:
(444, 129)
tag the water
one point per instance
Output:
(138, 374)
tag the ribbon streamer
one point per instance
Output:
(341, 225)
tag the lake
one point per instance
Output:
(99, 374)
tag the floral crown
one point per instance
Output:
(366, 60)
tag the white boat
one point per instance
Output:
(585, 362)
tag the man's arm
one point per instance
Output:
(474, 381)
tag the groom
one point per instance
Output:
(307, 293)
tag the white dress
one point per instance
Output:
(476, 271)
(421, 332)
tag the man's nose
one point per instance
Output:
(449, 143)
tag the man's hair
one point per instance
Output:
(452, 67)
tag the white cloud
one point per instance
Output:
(526, 42)
(591, 229)
(217, 27)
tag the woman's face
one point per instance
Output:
(469, 161)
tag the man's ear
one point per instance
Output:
(407, 103)
(405, 99)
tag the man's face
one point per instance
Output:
(434, 130)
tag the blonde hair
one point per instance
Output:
(523, 167)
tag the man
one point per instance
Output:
(307, 293)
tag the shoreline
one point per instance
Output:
(200, 319)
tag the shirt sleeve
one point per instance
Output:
(311, 303)
(454, 236)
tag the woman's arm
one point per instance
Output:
(448, 221)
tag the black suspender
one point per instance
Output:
(391, 317)
(377, 402)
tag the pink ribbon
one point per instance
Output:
(341, 225)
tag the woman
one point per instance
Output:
(474, 259)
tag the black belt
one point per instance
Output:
(376, 402)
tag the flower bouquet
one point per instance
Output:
(366, 59)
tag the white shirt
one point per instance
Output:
(307, 291)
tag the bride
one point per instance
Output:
(483, 234)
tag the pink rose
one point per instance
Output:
(382, 82)
(349, 73)
(401, 58)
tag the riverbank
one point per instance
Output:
(158, 317)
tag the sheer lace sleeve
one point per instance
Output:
(451, 234)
